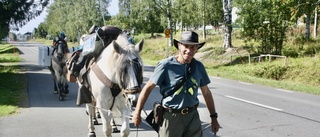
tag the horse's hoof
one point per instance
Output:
(67, 91)
(55, 92)
(98, 115)
(61, 98)
(115, 130)
(95, 121)
(92, 134)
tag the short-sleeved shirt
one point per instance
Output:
(169, 72)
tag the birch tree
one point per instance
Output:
(227, 9)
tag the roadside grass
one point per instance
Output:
(299, 72)
(12, 83)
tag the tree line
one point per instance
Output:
(265, 21)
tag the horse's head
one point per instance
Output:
(61, 50)
(129, 72)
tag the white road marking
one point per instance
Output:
(245, 83)
(215, 77)
(289, 91)
(254, 103)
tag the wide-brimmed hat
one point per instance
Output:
(188, 38)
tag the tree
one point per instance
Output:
(16, 13)
(73, 18)
(166, 7)
(303, 7)
(265, 22)
(227, 20)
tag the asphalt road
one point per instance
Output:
(245, 110)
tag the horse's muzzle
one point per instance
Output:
(59, 56)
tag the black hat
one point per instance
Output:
(189, 38)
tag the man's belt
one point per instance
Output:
(182, 111)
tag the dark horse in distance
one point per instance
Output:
(58, 69)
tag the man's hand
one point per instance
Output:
(215, 125)
(136, 119)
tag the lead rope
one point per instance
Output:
(137, 132)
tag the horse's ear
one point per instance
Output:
(117, 47)
(139, 46)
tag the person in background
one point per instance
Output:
(61, 37)
(180, 117)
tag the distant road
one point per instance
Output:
(245, 110)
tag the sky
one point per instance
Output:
(113, 10)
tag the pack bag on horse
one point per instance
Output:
(91, 47)
(58, 67)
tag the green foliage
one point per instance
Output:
(12, 83)
(9, 53)
(290, 52)
(265, 22)
(16, 13)
(270, 71)
(73, 18)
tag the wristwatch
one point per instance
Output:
(215, 115)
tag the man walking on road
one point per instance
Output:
(180, 118)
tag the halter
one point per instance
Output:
(60, 46)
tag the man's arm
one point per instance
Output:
(144, 94)
(206, 93)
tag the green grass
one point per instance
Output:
(299, 73)
(9, 53)
(12, 83)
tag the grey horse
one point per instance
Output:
(58, 69)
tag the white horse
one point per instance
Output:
(115, 73)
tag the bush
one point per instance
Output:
(271, 71)
(290, 53)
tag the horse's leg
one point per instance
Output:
(106, 125)
(114, 126)
(66, 87)
(55, 90)
(125, 128)
(61, 90)
(91, 128)
(95, 120)
(98, 114)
